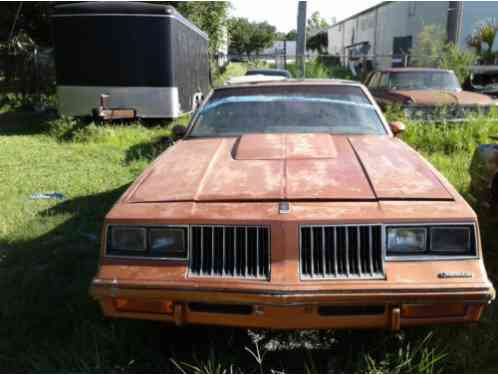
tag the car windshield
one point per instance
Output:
(424, 81)
(287, 109)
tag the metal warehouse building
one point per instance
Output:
(385, 33)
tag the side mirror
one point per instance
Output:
(179, 131)
(397, 127)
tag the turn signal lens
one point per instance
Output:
(143, 306)
(441, 310)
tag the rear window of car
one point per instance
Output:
(330, 109)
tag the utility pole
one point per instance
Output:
(285, 52)
(301, 37)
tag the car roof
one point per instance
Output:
(400, 70)
(280, 81)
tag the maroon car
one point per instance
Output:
(426, 93)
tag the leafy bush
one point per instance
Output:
(431, 50)
(63, 128)
(447, 138)
(457, 60)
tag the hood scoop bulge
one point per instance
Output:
(284, 146)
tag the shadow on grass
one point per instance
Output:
(148, 150)
(24, 123)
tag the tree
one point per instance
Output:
(262, 36)
(249, 37)
(209, 16)
(431, 50)
(316, 23)
(34, 19)
(429, 46)
(318, 42)
(292, 35)
(239, 32)
(458, 60)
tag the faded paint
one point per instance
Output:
(441, 98)
(327, 180)
(294, 166)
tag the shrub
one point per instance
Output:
(431, 50)
(63, 128)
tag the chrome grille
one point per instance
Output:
(341, 252)
(230, 251)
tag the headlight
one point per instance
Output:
(406, 240)
(169, 242)
(431, 240)
(451, 240)
(127, 239)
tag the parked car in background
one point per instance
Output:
(269, 72)
(484, 176)
(428, 94)
(288, 205)
(484, 80)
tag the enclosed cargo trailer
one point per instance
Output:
(122, 58)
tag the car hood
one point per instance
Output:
(438, 97)
(289, 167)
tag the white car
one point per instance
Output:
(253, 79)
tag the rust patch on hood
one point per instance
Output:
(292, 167)
(396, 171)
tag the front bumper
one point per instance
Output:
(278, 309)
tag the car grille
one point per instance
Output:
(341, 252)
(230, 251)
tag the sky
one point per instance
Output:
(283, 13)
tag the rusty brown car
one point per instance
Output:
(292, 205)
(428, 94)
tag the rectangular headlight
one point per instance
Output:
(168, 242)
(431, 240)
(127, 239)
(451, 240)
(406, 240)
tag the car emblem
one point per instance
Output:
(283, 207)
(454, 275)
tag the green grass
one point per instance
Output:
(49, 253)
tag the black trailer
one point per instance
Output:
(128, 57)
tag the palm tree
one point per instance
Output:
(484, 33)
